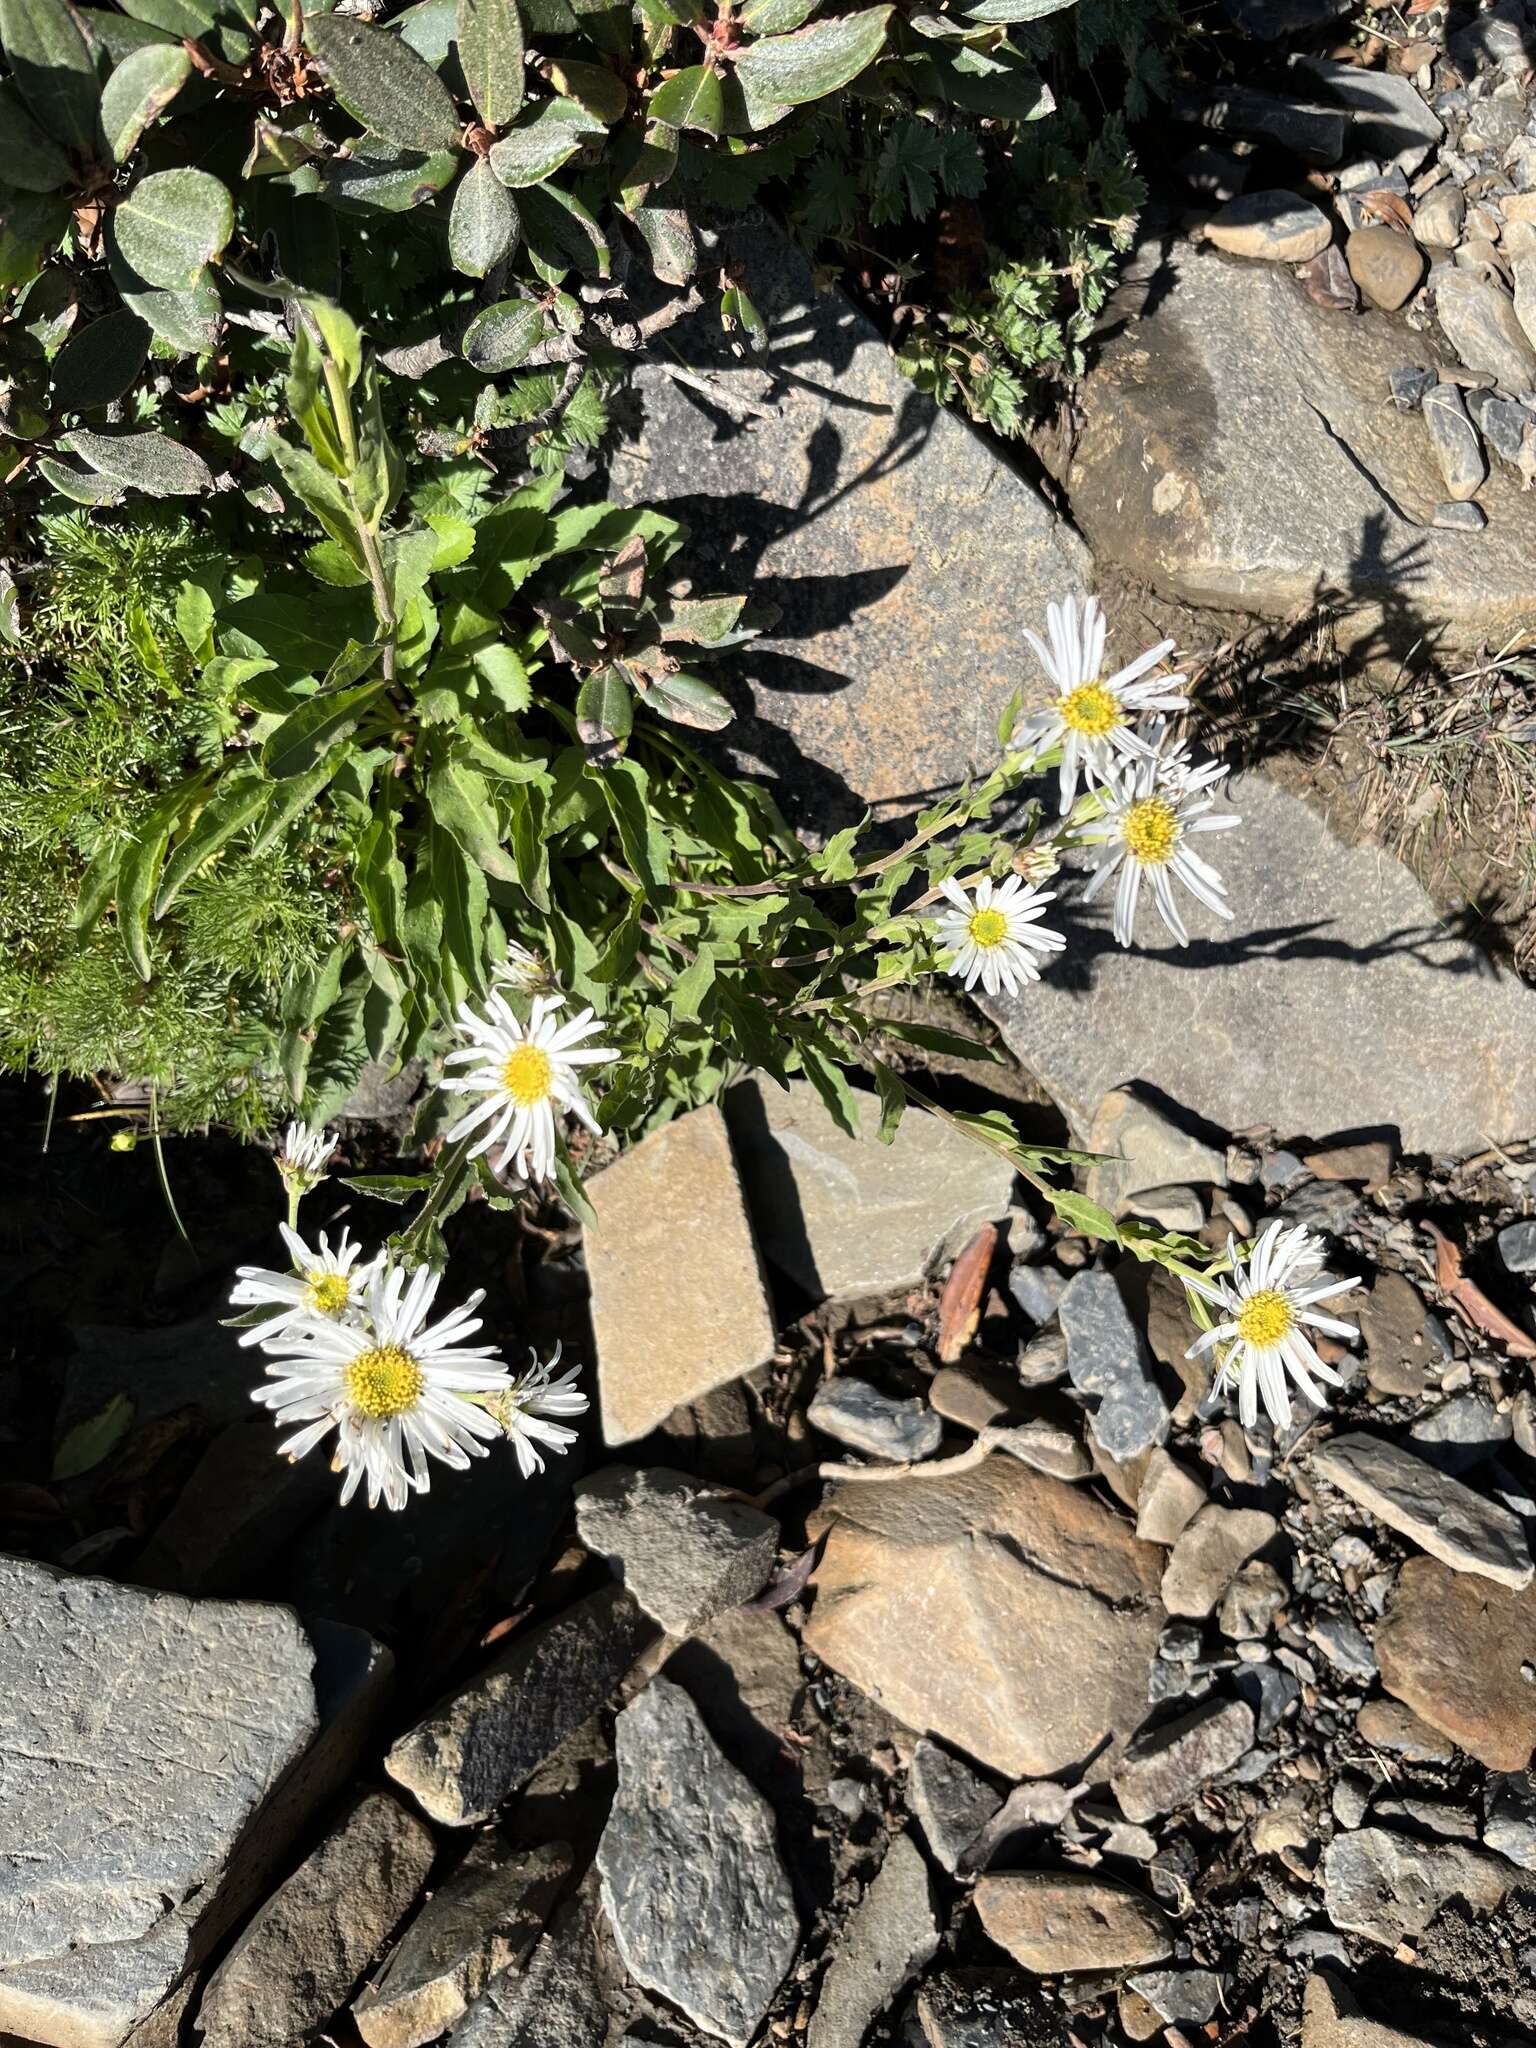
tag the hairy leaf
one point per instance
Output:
(503, 335)
(543, 140)
(138, 93)
(172, 224)
(690, 99)
(382, 82)
(482, 228)
(795, 69)
(152, 463)
(490, 39)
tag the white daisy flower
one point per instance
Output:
(1093, 717)
(527, 1412)
(523, 969)
(1152, 808)
(322, 1283)
(303, 1157)
(1267, 1302)
(523, 1073)
(390, 1384)
(997, 935)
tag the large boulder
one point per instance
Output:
(1239, 449)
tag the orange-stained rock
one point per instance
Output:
(1456, 1649)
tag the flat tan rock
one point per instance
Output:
(1455, 1649)
(678, 1303)
(1008, 1613)
(1053, 1921)
(1331, 2018)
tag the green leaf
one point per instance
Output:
(1016, 10)
(172, 224)
(178, 18)
(194, 616)
(228, 811)
(10, 610)
(382, 82)
(32, 224)
(388, 1187)
(932, 1039)
(100, 362)
(503, 336)
(190, 322)
(140, 870)
(96, 885)
(31, 162)
(626, 791)
(490, 39)
(543, 140)
(689, 700)
(81, 486)
(776, 17)
(138, 93)
(290, 799)
(669, 239)
(691, 99)
(380, 177)
(605, 711)
(51, 64)
(320, 491)
(460, 801)
(1083, 1215)
(604, 95)
(83, 1448)
(692, 986)
(893, 1101)
(795, 69)
(315, 727)
(826, 1075)
(152, 463)
(482, 228)
(505, 676)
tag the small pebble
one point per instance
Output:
(1462, 517)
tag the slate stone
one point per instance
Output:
(1463, 1434)
(692, 1882)
(1038, 1291)
(1056, 1921)
(1169, 1499)
(950, 1802)
(1391, 1726)
(1346, 1646)
(1510, 1823)
(1389, 1019)
(1316, 134)
(851, 509)
(1146, 1151)
(851, 1219)
(1179, 1995)
(678, 1302)
(1438, 1513)
(1410, 386)
(555, 2002)
(1390, 1887)
(891, 1934)
(1517, 1246)
(1009, 1614)
(160, 1754)
(1501, 422)
(1164, 1769)
(1458, 446)
(683, 1551)
(484, 1917)
(1480, 322)
(880, 1425)
(1209, 1552)
(304, 1952)
(1389, 117)
(478, 1746)
(1457, 1650)
(1107, 1356)
(1236, 453)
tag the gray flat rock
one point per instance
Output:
(298, 1960)
(1108, 1357)
(1438, 1513)
(1390, 1886)
(950, 1802)
(1163, 1770)
(1238, 451)
(1388, 1019)
(850, 1218)
(685, 1552)
(143, 1737)
(556, 2002)
(478, 1746)
(890, 1936)
(855, 510)
(692, 1881)
(1390, 119)
(880, 1425)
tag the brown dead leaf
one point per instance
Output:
(22, 1503)
(1390, 208)
(960, 1303)
(1472, 1301)
(1327, 282)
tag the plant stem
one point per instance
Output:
(450, 1172)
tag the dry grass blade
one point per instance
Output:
(1472, 1301)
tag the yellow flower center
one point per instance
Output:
(329, 1293)
(1092, 710)
(383, 1382)
(1265, 1318)
(526, 1075)
(987, 928)
(1151, 831)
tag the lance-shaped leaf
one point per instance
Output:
(139, 872)
(138, 93)
(171, 225)
(1017, 10)
(51, 64)
(503, 336)
(483, 225)
(100, 362)
(690, 99)
(314, 729)
(80, 486)
(542, 141)
(382, 82)
(460, 801)
(152, 463)
(228, 811)
(795, 69)
(30, 161)
(605, 711)
(689, 700)
(490, 39)
(669, 238)
(604, 95)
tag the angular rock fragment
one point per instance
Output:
(692, 1882)
(1010, 1614)
(684, 1552)
(891, 1935)
(678, 1303)
(484, 1917)
(1437, 1512)
(1061, 1921)
(1209, 1553)
(1390, 1886)
(950, 1802)
(555, 2002)
(1510, 1825)
(1163, 1770)
(1170, 1498)
(1275, 227)
(477, 1746)
(1458, 1650)
(1146, 1151)
(881, 1426)
(1107, 1356)
(1457, 444)
(304, 1952)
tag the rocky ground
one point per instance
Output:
(917, 1650)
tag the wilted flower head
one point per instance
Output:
(524, 970)
(1093, 716)
(527, 1413)
(303, 1157)
(1266, 1305)
(522, 1073)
